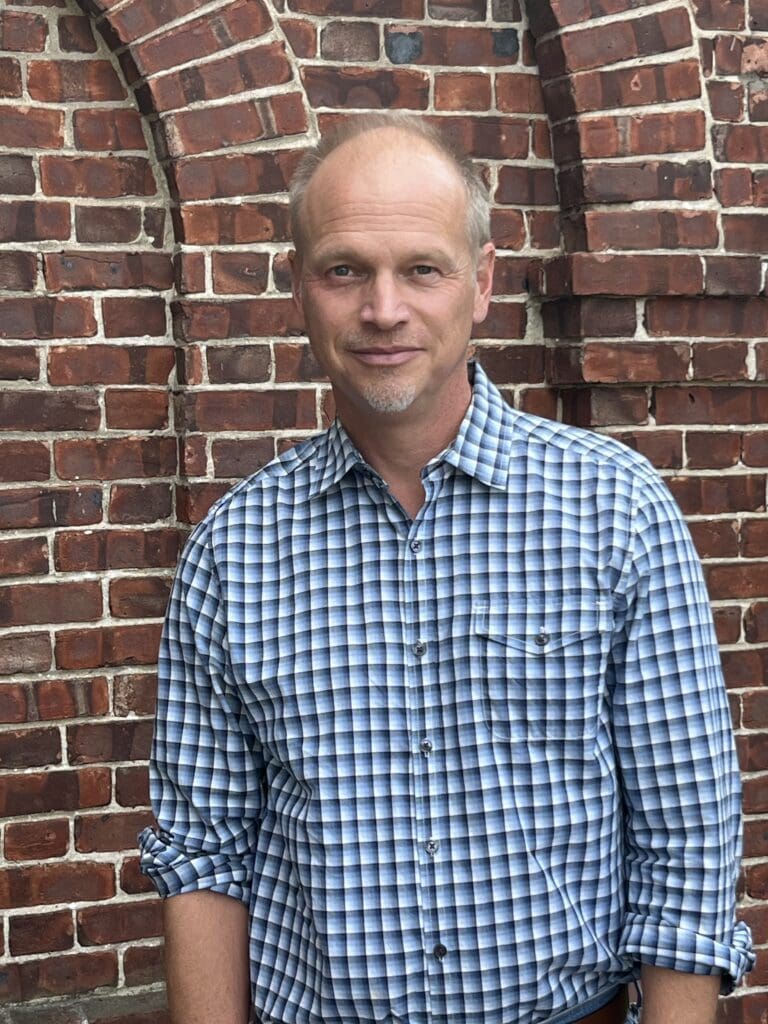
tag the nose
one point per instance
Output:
(383, 305)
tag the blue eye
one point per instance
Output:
(341, 271)
(423, 269)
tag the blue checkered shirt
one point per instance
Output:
(470, 768)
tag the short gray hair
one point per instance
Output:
(478, 201)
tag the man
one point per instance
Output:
(441, 731)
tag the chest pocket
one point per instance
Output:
(541, 669)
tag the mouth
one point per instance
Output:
(373, 356)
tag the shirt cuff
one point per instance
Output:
(174, 870)
(664, 945)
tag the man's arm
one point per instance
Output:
(206, 958)
(671, 997)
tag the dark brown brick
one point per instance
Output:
(233, 225)
(54, 411)
(110, 364)
(25, 604)
(136, 409)
(144, 597)
(33, 222)
(31, 127)
(25, 556)
(17, 176)
(81, 271)
(97, 177)
(116, 549)
(75, 35)
(107, 833)
(31, 508)
(41, 933)
(43, 317)
(134, 317)
(10, 78)
(62, 790)
(36, 840)
(63, 81)
(140, 503)
(110, 741)
(350, 40)
(24, 460)
(107, 646)
(366, 88)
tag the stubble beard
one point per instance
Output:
(388, 396)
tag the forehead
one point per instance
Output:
(384, 183)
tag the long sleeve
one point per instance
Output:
(679, 775)
(206, 767)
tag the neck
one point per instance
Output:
(398, 446)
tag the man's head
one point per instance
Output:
(392, 268)
(478, 209)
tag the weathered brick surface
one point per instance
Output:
(137, 384)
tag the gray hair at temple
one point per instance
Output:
(478, 200)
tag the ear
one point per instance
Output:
(484, 282)
(294, 261)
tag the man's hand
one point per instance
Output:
(670, 997)
(206, 959)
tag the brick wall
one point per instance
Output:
(150, 355)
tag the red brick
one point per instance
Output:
(110, 741)
(18, 271)
(628, 87)
(257, 68)
(240, 458)
(41, 933)
(63, 81)
(194, 500)
(206, 129)
(664, 448)
(113, 459)
(22, 362)
(134, 317)
(596, 317)
(711, 405)
(630, 135)
(131, 879)
(634, 362)
(30, 508)
(350, 41)
(301, 35)
(755, 452)
(730, 276)
(742, 582)
(655, 180)
(605, 407)
(245, 174)
(585, 273)
(235, 364)
(745, 232)
(714, 495)
(651, 229)
(33, 222)
(98, 926)
(41, 317)
(25, 604)
(54, 699)
(727, 624)
(101, 129)
(233, 225)
(107, 223)
(140, 503)
(29, 748)
(243, 318)
(28, 653)
(22, 31)
(25, 556)
(707, 318)
(756, 623)
(10, 78)
(715, 538)
(110, 364)
(758, 10)
(75, 35)
(449, 46)
(710, 450)
(240, 273)
(132, 786)
(251, 410)
(526, 186)
(754, 537)
(464, 91)
(56, 883)
(720, 360)
(107, 646)
(108, 832)
(733, 186)
(68, 974)
(365, 88)
(36, 840)
(722, 14)
(64, 790)
(726, 100)
(519, 93)
(741, 144)
(116, 549)
(143, 965)
(143, 597)
(371, 8)
(97, 177)
(135, 693)
(40, 410)
(136, 409)
(235, 23)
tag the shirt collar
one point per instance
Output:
(479, 449)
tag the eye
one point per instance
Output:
(424, 270)
(342, 270)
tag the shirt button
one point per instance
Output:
(542, 638)
(426, 746)
(415, 546)
(432, 846)
(420, 648)
(439, 951)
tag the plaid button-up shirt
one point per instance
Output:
(469, 768)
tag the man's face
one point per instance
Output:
(387, 282)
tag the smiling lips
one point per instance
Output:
(385, 356)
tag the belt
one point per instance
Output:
(614, 1012)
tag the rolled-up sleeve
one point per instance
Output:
(206, 766)
(679, 774)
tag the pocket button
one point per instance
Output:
(542, 638)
